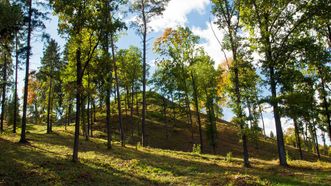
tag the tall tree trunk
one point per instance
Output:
(316, 141)
(78, 103)
(49, 124)
(118, 93)
(26, 81)
(69, 114)
(187, 105)
(173, 109)
(85, 125)
(297, 137)
(109, 135)
(195, 94)
(3, 101)
(240, 114)
(325, 147)
(210, 113)
(325, 103)
(15, 88)
(131, 107)
(88, 106)
(94, 117)
(234, 48)
(143, 134)
(164, 112)
(279, 130)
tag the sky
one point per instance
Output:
(195, 14)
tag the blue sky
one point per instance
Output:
(192, 13)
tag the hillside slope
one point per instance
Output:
(46, 160)
(175, 134)
(168, 160)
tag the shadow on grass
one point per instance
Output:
(188, 167)
(34, 164)
(21, 165)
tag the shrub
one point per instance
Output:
(228, 157)
(196, 149)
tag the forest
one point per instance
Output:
(97, 113)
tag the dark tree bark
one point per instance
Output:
(94, 117)
(164, 112)
(49, 122)
(279, 131)
(85, 125)
(3, 101)
(316, 141)
(15, 85)
(88, 107)
(297, 137)
(131, 107)
(325, 103)
(143, 134)
(195, 94)
(117, 93)
(211, 117)
(109, 134)
(26, 81)
(78, 103)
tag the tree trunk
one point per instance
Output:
(85, 125)
(49, 124)
(195, 94)
(26, 81)
(316, 141)
(88, 106)
(242, 128)
(164, 112)
(297, 137)
(78, 103)
(15, 88)
(109, 135)
(210, 113)
(3, 101)
(325, 104)
(131, 108)
(279, 130)
(94, 117)
(118, 94)
(143, 134)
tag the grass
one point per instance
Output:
(46, 160)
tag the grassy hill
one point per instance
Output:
(46, 159)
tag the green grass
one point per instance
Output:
(46, 160)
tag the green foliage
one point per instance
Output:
(196, 149)
(229, 157)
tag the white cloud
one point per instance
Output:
(176, 13)
(211, 44)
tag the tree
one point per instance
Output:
(228, 17)
(33, 19)
(180, 46)
(130, 71)
(272, 24)
(82, 30)
(49, 74)
(205, 90)
(145, 9)
(10, 21)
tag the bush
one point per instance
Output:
(228, 157)
(196, 149)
